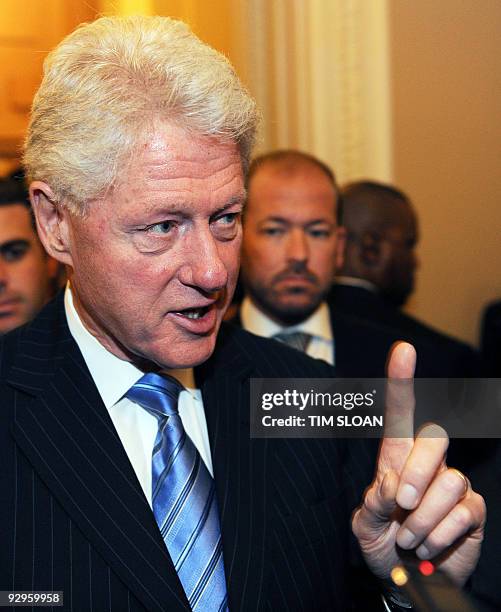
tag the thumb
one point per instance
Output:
(378, 506)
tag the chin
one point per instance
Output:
(297, 307)
(188, 354)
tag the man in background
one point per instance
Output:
(292, 247)
(378, 272)
(27, 273)
(292, 244)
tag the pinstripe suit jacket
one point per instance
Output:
(73, 515)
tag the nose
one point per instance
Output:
(297, 246)
(204, 268)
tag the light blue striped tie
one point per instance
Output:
(183, 498)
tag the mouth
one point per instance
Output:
(193, 313)
(198, 320)
(296, 280)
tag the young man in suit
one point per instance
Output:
(27, 273)
(378, 272)
(120, 486)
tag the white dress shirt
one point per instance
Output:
(352, 281)
(136, 427)
(317, 324)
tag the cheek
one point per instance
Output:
(230, 254)
(323, 264)
(29, 275)
(262, 256)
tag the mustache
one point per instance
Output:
(297, 268)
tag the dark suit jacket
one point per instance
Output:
(486, 477)
(74, 517)
(448, 356)
(361, 347)
(490, 339)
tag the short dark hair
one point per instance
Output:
(368, 190)
(294, 158)
(13, 190)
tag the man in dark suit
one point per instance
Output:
(292, 246)
(121, 486)
(27, 273)
(378, 272)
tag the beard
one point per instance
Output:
(286, 306)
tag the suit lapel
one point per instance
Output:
(240, 471)
(65, 431)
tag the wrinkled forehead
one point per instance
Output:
(170, 151)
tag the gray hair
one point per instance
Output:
(104, 86)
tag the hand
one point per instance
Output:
(415, 501)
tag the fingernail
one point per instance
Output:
(407, 497)
(406, 539)
(422, 552)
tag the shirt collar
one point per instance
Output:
(352, 281)
(254, 320)
(112, 376)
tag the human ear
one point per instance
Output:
(52, 222)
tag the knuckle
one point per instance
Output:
(355, 521)
(462, 517)
(371, 500)
(452, 482)
(480, 506)
(417, 474)
(436, 542)
(418, 522)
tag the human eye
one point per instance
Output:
(319, 232)
(273, 230)
(226, 226)
(155, 237)
(15, 250)
(159, 229)
(229, 218)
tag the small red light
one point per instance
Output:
(426, 568)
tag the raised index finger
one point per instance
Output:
(398, 436)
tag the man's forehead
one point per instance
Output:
(285, 170)
(280, 195)
(404, 218)
(15, 219)
(170, 151)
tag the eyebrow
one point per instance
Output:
(288, 222)
(237, 199)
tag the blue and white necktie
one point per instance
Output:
(183, 498)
